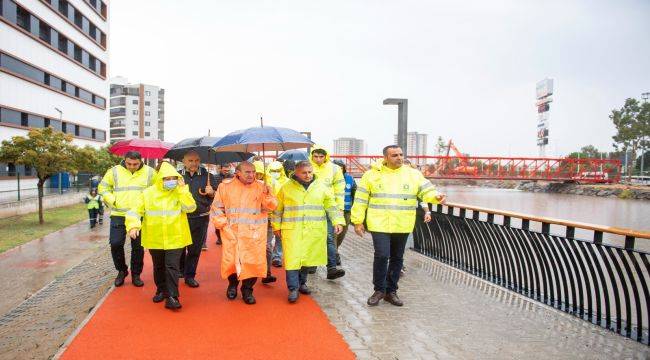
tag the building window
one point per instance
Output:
(135, 112)
(146, 113)
(147, 103)
(147, 134)
(69, 12)
(148, 93)
(147, 123)
(135, 122)
(37, 29)
(19, 67)
(118, 101)
(135, 133)
(30, 120)
(120, 111)
(135, 102)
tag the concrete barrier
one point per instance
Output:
(31, 205)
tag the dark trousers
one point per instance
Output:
(92, 216)
(389, 258)
(191, 253)
(331, 246)
(295, 278)
(246, 285)
(165, 270)
(117, 238)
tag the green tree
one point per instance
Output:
(47, 151)
(441, 146)
(632, 124)
(96, 161)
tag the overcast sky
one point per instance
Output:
(468, 68)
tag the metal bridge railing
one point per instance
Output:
(596, 280)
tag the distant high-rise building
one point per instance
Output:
(349, 146)
(416, 143)
(137, 111)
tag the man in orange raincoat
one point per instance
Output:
(240, 211)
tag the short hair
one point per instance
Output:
(385, 151)
(244, 164)
(302, 164)
(192, 152)
(134, 155)
(319, 151)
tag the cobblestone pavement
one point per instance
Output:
(37, 327)
(450, 314)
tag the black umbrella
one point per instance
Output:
(203, 146)
(295, 155)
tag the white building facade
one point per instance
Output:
(349, 146)
(136, 111)
(53, 66)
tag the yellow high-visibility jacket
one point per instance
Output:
(331, 175)
(164, 213)
(120, 189)
(300, 216)
(276, 184)
(387, 199)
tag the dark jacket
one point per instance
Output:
(196, 183)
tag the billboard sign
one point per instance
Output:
(544, 88)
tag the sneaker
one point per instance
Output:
(293, 296)
(335, 273)
(269, 279)
(204, 247)
(119, 280)
(373, 300)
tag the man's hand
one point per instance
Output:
(278, 234)
(209, 190)
(442, 198)
(427, 217)
(338, 229)
(359, 229)
(134, 233)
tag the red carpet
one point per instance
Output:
(129, 325)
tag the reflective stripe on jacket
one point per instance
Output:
(301, 216)
(387, 198)
(164, 213)
(120, 189)
(240, 211)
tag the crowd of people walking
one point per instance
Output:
(291, 215)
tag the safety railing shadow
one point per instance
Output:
(600, 276)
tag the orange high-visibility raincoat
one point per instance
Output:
(241, 212)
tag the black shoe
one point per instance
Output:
(231, 292)
(293, 296)
(335, 273)
(392, 298)
(276, 263)
(121, 275)
(248, 297)
(269, 279)
(304, 289)
(159, 297)
(136, 281)
(172, 303)
(373, 300)
(191, 282)
(312, 270)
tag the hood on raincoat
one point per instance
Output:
(276, 165)
(259, 167)
(318, 147)
(166, 170)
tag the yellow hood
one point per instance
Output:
(166, 170)
(259, 167)
(318, 147)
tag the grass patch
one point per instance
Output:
(20, 229)
(626, 194)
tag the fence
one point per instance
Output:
(595, 280)
(23, 189)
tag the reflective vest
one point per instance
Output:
(301, 216)
(93, 202)
(331, 175)
(120, 188)
(241, 212)
(387, 198)
(164, 213)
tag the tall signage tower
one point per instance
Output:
(544, 90)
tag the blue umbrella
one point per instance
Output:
(295, 155)
(266, 138)
(203, 146)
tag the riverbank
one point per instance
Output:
(620, 191)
